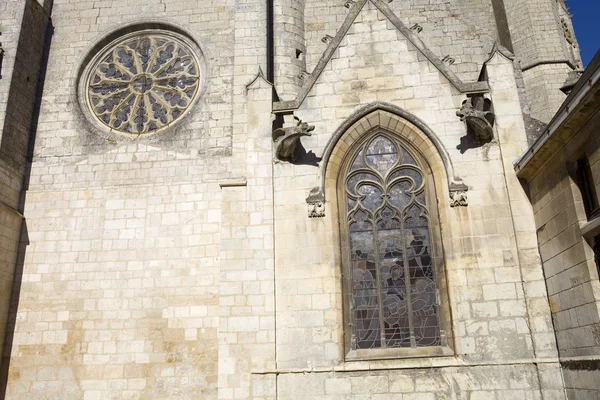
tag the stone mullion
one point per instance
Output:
(378, 282)
(409, 308)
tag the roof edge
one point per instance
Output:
(588, 81)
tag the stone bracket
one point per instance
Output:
(458, 198)
(316, 203)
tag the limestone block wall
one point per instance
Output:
(499, 310)
(290, 47)
(569, 33)
(464, 30)
(571, 274)
(10, 234)
(543, 93)
(546, 57)
(184, 264)
(23, 39)
(476, 383)
(23, 25)
(82, 27)
(120, 289)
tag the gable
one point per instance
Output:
(371, 26)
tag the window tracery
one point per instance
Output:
(393, 297)
(143, 83)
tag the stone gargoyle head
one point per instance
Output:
(286, 140)
(477, 112)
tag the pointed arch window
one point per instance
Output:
(392, 275)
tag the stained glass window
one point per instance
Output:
(393, 299)
(143, 83)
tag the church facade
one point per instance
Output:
(280, 199)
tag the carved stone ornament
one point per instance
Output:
(316, 203)
(458, 198)
(286, 140)
(416, 28)
(449, 60)
(303, 76)
(478, 114)
(327, 39)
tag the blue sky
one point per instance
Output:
(586, 19)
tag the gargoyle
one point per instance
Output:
(477, 112)
(286, 140)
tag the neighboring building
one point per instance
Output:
(562, 174)
(280, 199)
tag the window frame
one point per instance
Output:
(446, 348)
(587, 187)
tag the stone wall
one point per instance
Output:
(464, 30)
(546, 58)
(570, 270)
(82, 28)
(184, 263)
(10, 235)
(499, 308)
(475, 383)
(24, 27)
(289, 46)
(119, 294)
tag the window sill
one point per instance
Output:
(399, 353)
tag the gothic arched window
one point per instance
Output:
(387, 204)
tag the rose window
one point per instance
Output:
(143, 83)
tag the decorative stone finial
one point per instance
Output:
(477, 112)
(286, 140)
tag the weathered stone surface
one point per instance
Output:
(184, 264)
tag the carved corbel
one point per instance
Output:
(286, 139)
(458, 199)
(458, 193)
(349, 3)
(316, 203)
(477, 112)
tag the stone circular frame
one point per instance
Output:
(142, 82)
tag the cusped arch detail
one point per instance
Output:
(394, 120)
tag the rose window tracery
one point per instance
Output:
(143, 83)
